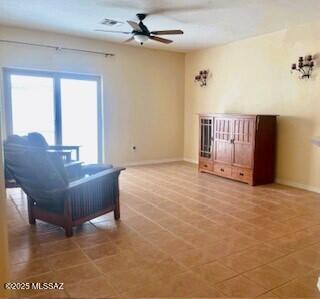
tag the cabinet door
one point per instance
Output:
(243, 140)
(206, 131)
(222, 140)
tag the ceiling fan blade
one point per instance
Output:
(112, 31)
(134, 25)
(166, 32)
(129, 39)
(160, 39)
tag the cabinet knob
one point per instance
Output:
(221, 169)
(241, 173)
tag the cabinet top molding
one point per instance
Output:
(235, 114)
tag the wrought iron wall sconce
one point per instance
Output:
(304, 67)
(202, 77)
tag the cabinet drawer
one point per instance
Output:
(206, 165)
(242, 174)
(222, 169)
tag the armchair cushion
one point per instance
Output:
(34, 168)
(37, 140)
(17, 140)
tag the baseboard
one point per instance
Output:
(150, 162)
(298, 185)
(190, 161)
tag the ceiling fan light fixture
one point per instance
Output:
(140, 32)
(141, 38)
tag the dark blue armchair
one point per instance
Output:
(52, 196)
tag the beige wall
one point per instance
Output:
(253, 76)
(143, 90)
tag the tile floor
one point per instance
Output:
(181, 234)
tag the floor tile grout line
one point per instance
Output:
(274, 238)
(212, 261)
(90, 261)
(231, 183)
(221, 193)
(275, 223)
(307, 231)
(259, 265)
(215, 190)
(232, 204)
(185, 208)
(194, 213)
(271, 239)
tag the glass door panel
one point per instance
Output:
(79, 113)
(206, 138)
(32, 104)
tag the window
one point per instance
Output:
(65, 108)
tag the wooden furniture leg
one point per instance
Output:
(32, 219)
(117, 209)
(68, 218)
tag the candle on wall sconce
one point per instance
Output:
(202, 77)
(305, 66)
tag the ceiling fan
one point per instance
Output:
(141, 33)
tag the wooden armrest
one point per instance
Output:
(62, 147)
(66, 147)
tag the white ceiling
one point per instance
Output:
(206, 23)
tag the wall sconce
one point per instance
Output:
(202, 77)
(304, 67)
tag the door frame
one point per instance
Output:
(56, 76)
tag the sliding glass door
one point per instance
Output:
(29, 95)
(79, 116)
(65, 108)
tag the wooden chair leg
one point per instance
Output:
(116, 214)
(67, 218)
(32, 219)
(68, 231)
(116, 211)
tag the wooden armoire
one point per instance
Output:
(239, 147)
